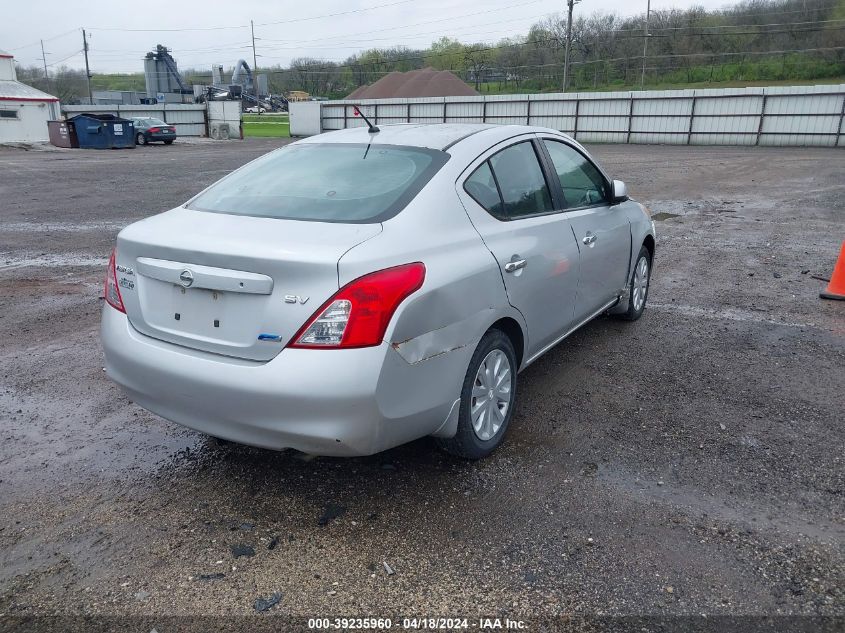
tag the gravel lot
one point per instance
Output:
(690, 463)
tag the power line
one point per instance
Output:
(513, 44)
(731, 54)
(339, 46)
(333, 68)
(405, 26)
(117, 53)
(358, 47)
(73, 54)
(182, 30)
(580, 63)
(417, 35)
(730, 12)
(334, 37)
(245, 26)
(618, 59)
(46, 39)
(332, 15)
(728, 26)
(394, 28)
(586, 62)
(413, 35)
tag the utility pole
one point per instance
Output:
(254, 68)
(571, 5)
(87, 69)
(645, 42)
(44, 59)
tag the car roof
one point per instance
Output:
(440, 136)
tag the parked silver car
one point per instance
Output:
(360, 289)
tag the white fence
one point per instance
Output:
(801, 115)
(189, 119)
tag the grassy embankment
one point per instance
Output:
(266, 125)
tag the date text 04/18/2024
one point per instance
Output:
(423, 623)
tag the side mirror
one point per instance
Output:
(620, 192)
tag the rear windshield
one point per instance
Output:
(325, 183)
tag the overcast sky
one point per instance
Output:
(201, 32)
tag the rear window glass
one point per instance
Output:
(325, 183)
(148, 121)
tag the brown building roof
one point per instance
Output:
(415, 83)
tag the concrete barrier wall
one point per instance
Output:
(188, 118)
(787, 116)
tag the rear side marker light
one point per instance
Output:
(359, 313)
(112, 291)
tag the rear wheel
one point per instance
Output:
(638, 288)
(140, 139)
(487, 398)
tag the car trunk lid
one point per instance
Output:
(239, 286)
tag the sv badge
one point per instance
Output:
(296, 299)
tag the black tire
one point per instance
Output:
(140, 139)
(633, 313)
(466, 443)
(169, 142)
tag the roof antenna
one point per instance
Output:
(373, 129)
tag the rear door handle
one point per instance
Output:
(589, 238)
(515, 264)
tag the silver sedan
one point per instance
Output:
(360, 289)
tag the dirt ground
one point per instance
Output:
(691, 463)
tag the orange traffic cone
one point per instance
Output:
(836, 288)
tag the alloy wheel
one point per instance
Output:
(640, 283)
(491, 395)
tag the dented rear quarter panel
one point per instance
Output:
(463, 293)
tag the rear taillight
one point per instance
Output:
(112, 292)
(358, 315)
(153, 130)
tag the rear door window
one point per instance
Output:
(521, 181)
(326, 182)
(511, 184)
(483, 188)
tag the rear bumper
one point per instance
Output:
(160, 137)
(325, 402)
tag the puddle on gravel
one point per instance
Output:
(660, 217)
(734, 510)
(730, 314)
(51, 446)
(57, 260)
(73, 227)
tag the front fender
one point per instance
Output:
(641, 228)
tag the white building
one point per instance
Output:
(24, 111)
